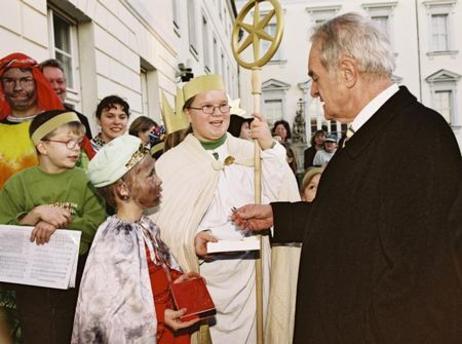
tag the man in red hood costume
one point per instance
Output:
(24, 93)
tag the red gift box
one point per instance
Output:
(194, 296)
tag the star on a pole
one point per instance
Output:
(256, 31)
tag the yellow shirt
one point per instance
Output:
(17, 151)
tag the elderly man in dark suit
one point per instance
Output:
(379, 261)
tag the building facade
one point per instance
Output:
(133, 48)
(203, 31)
(426, 37)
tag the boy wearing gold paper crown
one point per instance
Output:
(55, 194)
(124, 295)
(204, 177)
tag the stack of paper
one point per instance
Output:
(53, 265)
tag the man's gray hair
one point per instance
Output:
(357, 37)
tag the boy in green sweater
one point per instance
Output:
(55, 194)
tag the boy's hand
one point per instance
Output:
(56, 216)
(187, 276)
(261, 132)
(172, 319)
(200, 242)
(42, 232)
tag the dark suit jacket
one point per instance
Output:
(378, 261)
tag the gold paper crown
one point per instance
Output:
(192, 88)
(172, 121)
(137, 156)
(201, 84)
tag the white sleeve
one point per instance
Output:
(274, 168)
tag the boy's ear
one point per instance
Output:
(42, 148)
(122, 191)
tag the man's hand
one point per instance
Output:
(42, 232)
(254, 217)
(172, 319)
(200, 243)
(260, 131)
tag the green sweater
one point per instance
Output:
(32, 187)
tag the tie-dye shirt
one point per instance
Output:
(17, 151)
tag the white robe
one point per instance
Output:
(198, 193)
(231, 277)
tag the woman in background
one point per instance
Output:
(112, 115)
(143, 127)
(281, 129)
(317, 143)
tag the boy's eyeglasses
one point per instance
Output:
(210, 109)
(70, 144)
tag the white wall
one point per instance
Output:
(115, 38)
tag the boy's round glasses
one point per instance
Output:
(210, 109)
(70, 144)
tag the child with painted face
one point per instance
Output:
(124, 295)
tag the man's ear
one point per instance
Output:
(42, 148)
(349, 72)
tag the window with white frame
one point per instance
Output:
(222, 64)
(382, 22)
(333, 128)
(225, 19)
(440, 32)
(382, 15)
(314, 124)
(320, 14)
(228, 77)
(220, 6)
(64, 47)
(443, 88)
(144, 91)
(205, 44)
(441, 26)
(273, 110)
(176, 17)
(216, 61)
(274, 99)
(264, 44)
(233, 86)
(442, 102)
(192, 27)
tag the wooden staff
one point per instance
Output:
(256, 95)
(256, 32)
